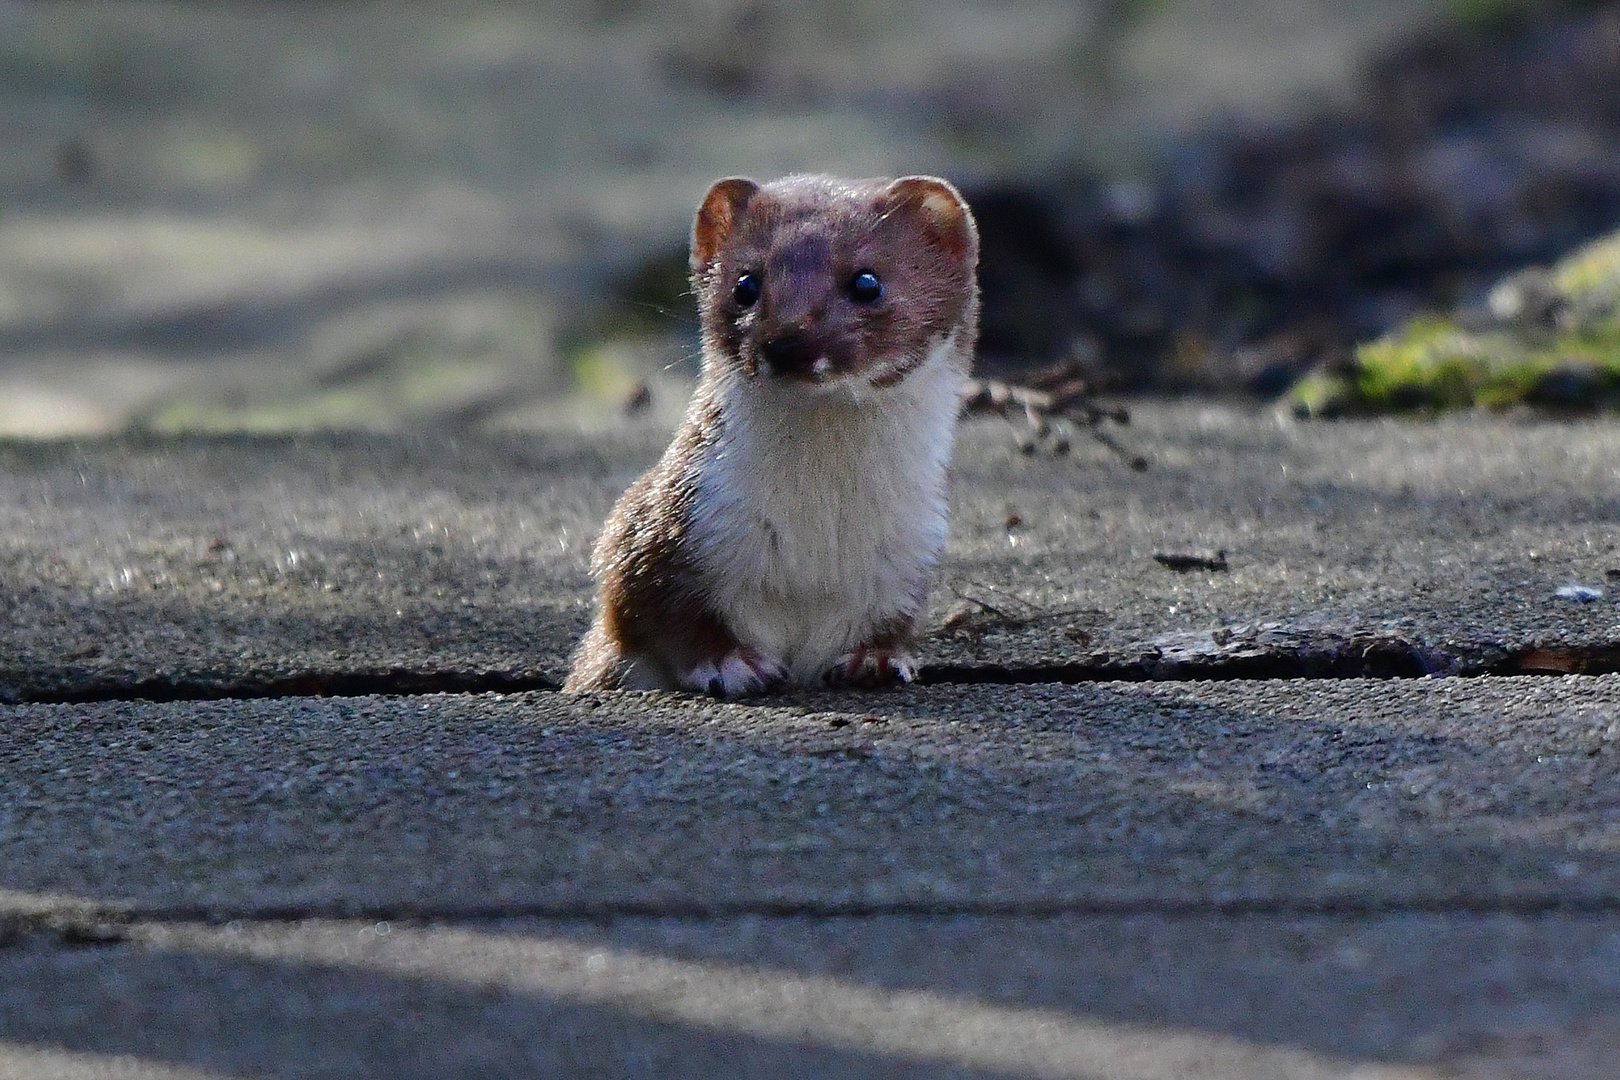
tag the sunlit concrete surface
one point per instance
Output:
(26, 1061)
(238, 559)
(359, 863)
(1124, 998)
(1367, 795)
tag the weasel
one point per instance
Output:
(787, 535)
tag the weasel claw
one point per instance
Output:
(868, 667)
(740, 672)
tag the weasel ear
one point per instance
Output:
(939, 210)
(721, 208)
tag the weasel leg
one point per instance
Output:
(597, 663)
(873, 666)
(738, 673)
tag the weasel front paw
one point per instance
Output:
(740, 672)
(873, 667)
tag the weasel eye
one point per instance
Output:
(746, 291)
(865, 288)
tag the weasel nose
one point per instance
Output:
(791, 353)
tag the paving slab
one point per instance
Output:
(1311, 878)
(1426, 546)
(1059, 857)
(1144, 997)
(243, 564)
(1488, 794)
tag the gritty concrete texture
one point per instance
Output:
(1050, 876)
(1495, 794)
(1332, 878)
(1124, 998)
(221, 562)
(1452, 537)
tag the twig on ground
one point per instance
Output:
(973, 617)
(1050, 402)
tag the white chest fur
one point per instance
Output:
(821, 513)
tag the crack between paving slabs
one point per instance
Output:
(93, 925)
(1323, 657)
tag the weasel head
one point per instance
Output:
(826, 282)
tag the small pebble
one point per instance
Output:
(1581, 594)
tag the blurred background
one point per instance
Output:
(273, 216)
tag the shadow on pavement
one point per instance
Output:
(1388, 870)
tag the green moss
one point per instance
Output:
(605, 372)
(1592, 274)
(1487, 13)
(1429, 363)
(1552, 339)
(1322, 394)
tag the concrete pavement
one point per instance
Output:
(1012, 871)
(1490, 794)
(224, 562)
